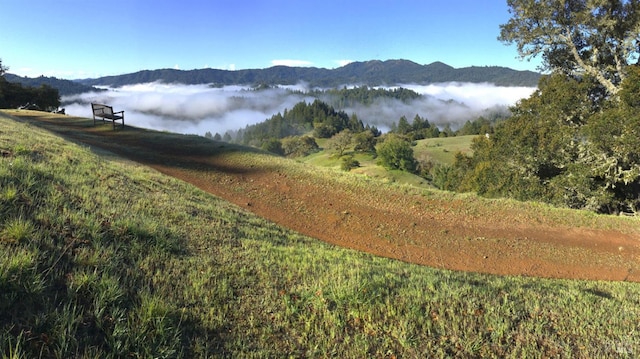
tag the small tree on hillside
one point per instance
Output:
(348, 163)
(273, 145)
(299, 146)
(403, 126)
(341, 142)
(396, 153)
(365, 141)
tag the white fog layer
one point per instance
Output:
(197, 109)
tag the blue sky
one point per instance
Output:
(87, 38)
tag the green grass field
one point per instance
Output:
(443, 149)
(103, 258)
(437, 150)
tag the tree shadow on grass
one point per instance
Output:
(149, 147)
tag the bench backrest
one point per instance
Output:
(99, 109)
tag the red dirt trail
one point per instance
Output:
(441, 233)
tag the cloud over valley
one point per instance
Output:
(197, 109)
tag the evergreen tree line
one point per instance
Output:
(14, 95)
(324, 121)
(420, 128)
(318, 118)
(362, 95)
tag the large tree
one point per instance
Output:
(574, 142)
(599, 38)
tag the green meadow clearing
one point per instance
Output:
(103, 258)
(439, 151)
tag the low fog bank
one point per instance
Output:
(188, 109)
(445, 103)
(197, 109)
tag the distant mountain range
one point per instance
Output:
(371, 73)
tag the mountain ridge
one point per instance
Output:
(371, 73)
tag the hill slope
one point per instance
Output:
(371, 73)
(415, 225)
(102, 257)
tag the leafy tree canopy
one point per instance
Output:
(396, 153)
(341, 142)
(563, 145)
(599, 38)
(574, 142)
(13, 95)
(299, 146)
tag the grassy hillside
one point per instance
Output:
(437, 150)
(443, 150)
(101, 257)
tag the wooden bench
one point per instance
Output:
(106, 113)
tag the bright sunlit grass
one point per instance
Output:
(443, 149)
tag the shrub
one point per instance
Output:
(349, 163)
(299, 146)
(273, 145)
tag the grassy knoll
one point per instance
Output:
(368, 166)
(443, 150)
(437, 150)
(100, 257)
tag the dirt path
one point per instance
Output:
(434, 232)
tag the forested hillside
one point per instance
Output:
(372, 73)
(318, 117)
(362, 95)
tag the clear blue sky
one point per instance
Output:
(89, 38)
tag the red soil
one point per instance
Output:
(413, 228)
